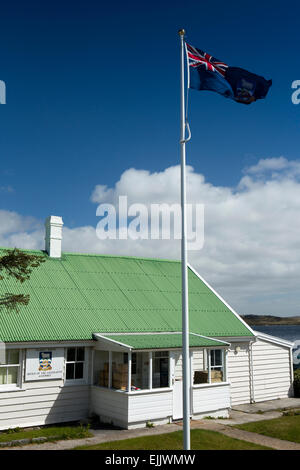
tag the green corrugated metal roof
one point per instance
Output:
(163, 341)
(72, 297)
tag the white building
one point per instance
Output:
(101, 335)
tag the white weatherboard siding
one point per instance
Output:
(44, 402)
(178, 365)
(238, 371)
(110, 406)
(198, 360)
(210, 398)
(131, 410)
(154, 406)
(47, 401)
(136, 409)
(271, 371)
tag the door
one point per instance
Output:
(177, 399)
(176, 371)
(177, 384)
(164, 371)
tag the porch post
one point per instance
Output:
(170, 371)
(209, 364)
(129, 372)
(150, 370)
(91, 378)
(225, 355)
(191, 382)
(191, 368)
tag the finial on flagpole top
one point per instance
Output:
(181, 32)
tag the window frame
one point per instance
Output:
(17, 384)
(221, 366)
(75, 381)
(157, 356)
(133, 363)
(213, 354)
(209, 365)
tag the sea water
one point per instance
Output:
(288, 332)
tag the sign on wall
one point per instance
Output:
(44, 364)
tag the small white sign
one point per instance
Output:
(44, 364)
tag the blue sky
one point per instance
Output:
(93, 89)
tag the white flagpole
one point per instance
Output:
(184, 269)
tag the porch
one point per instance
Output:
(137, 378)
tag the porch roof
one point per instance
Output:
(158, 340)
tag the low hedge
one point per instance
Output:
(297, 383)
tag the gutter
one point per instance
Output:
(274, 339)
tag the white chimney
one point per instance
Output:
(53, 236)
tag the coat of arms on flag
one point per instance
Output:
(45, 360)
(208, 73)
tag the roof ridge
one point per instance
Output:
(31, 250)
(100, 255)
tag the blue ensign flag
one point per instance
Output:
(208, 73)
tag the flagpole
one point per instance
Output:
(184, 268)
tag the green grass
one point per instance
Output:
(200, 440)
(52, 433)
(287, 427)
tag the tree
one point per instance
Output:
(19, 265)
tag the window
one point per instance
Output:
(140, 371)
(101, 368)
(75, 364)
(200, 367)
(133, 364)
(160, 369)
(209, 366)
(10, 371)
(216, 358)
(120, 370)
(216, 365)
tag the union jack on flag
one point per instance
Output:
(198, 58)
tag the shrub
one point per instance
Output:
(149, 424)
(12, 430)
(297, 383)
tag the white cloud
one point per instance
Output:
(264, 164)
(251, 253)
(275, 168)
(21, 231)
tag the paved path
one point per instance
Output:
(238, 417)
(269, 405)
